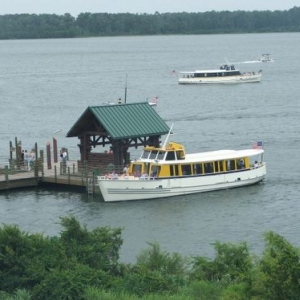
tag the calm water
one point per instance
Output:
(45, 86)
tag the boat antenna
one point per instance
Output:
(167, 137)
(125, 89)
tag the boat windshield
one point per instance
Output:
(145, 154)
(153, 154)
(161, 155)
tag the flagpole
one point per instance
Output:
(125, 89)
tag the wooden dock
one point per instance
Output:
(54, 177)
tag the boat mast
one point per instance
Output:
(167, 137)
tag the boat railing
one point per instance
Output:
(125, 177)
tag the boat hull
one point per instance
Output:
(139, 189)
(251, 78)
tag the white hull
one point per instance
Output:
(139, 189)
(244, 78)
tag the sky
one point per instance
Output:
(75, 7)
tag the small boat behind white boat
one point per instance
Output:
(266, 57)
(168, 171)
(226, 74)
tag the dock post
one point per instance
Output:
(55, 150)
(11, 150)
(55, 173)
(41, 161)
(48, 150)
(18, 154)
(69, 176)
(6, 173)
(36, 161)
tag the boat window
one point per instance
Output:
(180, 154)
(230, 165)
(186, 169)
(161, 155)
(198, 169)
(153, 154)
(171, 170)
(174, 170)
(208, 167)
(216, 163)
(221, 167)
(145, 154)
(241, 163)
(155, 171)
(212, 74)
(137, 169)
(170, 155)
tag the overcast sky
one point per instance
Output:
(75, 7)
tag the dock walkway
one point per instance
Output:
(54, 176)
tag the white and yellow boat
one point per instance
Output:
(168, 171)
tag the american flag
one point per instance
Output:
(257, 145)
(154, 100)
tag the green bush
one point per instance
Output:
(232, 263)
(278, 272)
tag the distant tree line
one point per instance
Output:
(32, 26)
(84, 265)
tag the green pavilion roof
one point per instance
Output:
(120, 121)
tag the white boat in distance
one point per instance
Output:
(226, 74)
(169, 171)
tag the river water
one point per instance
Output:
(45, 86)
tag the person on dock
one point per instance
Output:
(22, 160)
(26, 160)
(126, 170)
(64, 157)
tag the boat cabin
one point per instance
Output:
(225, 70)
(172, 161)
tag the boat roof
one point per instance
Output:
(212, 156)
(222, 155)
(206, 71)
(212, 70)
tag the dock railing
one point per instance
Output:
(60, 172)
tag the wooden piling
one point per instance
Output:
(55, 150)
(48, 153)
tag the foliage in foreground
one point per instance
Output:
(83, 264)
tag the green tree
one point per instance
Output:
(278, 271)
(232, 263)
(98, 248)
(156, 271)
